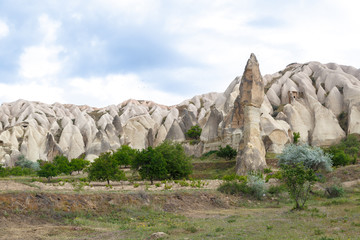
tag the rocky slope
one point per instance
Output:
(321, 101)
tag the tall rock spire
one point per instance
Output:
(251, 154)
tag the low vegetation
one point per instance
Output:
(260, 204)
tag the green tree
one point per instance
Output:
(150, 164)
(78, 164)
(47, 170)
(105, 168)
(298, 180)
(194, 132)
(125, 155)
(178, 165)
(62, 164)
(227, 152)
(298, 164)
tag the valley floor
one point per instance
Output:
(62, 210)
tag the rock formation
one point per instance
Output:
(251, 151)
(310, 98)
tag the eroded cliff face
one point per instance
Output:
(308, 98)
(251, 150)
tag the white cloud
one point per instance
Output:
(4, 29)
(48, 28)
(40, 61)
(116, 88)
(31, 91)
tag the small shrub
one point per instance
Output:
(334, 191)
(157, 184)
(25, 163)
(219, 229)
(234, 188)
(191, 229)
(136, 185)
(226, 152)
(299, 180)
(194, 132)
(267, 170)
(233, 177)
(276, 190)
(184, 183)
(256, 186)
(296, 137)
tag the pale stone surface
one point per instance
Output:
(273, 98)
(334, 101)
(321, 92)
(354, 119)
(251, 155)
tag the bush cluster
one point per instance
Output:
(252, 185)
(166, 161)
(226, 152)
(345, 152)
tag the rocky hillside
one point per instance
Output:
(321, 101)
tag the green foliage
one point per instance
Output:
(256, 186)
(25, 163)
(345, 152)
(234, 188)
(194, 132)
(105, 168)
(48, 170)
(178, 165)
(208, 154)
(125, 155)
(62, 164)
(233, 177)
(252, 185)
(310, 157)
(340, 158)
(334, 191)
(226, 152)
(277, 189)
(296, 137)
(276, 175)
(3, 171)
(78, 164)
(267, 170)
(298, 180)
(150, 164)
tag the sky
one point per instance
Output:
(103, 52)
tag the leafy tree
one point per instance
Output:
(298, 164)
(296, 137)
(298, 180)
(62, 164)
(150, 164)
(178, 165)
(194, 132)
(125, 155)
(48, 170)
(226, 152)
(78, 164)
(105, 168)
(311, 157)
